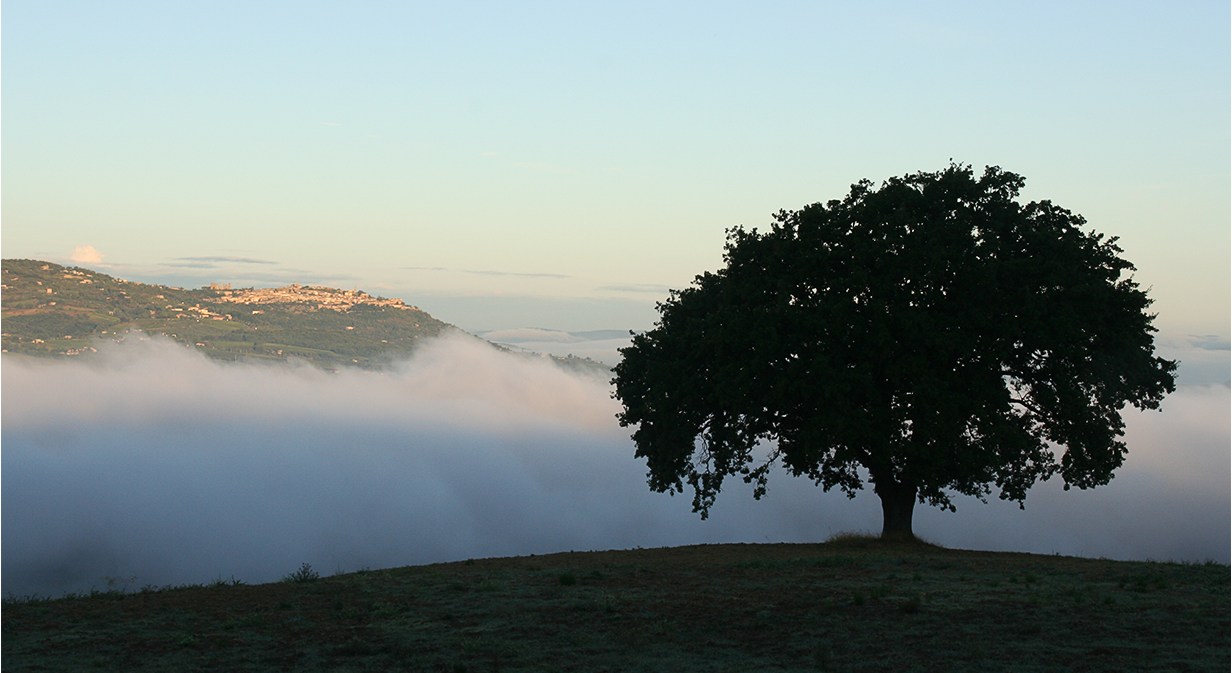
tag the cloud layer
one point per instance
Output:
(153, 466)
(86, 254)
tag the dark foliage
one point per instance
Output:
(933, 335)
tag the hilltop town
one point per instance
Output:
(52, 310)
(313, 296)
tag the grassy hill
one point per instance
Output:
(53, 310)
(50, 309)
(848, 605)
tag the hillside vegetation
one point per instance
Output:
(57, 311)
(850, 605)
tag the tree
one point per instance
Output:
(933, 336)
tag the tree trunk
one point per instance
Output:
(897, 505)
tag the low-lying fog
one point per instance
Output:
(150, 465)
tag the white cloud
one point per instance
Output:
(154, 463)
(86, 254)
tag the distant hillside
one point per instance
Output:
(51, 310)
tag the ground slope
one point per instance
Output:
(852, 605)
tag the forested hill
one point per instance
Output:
(52, 310)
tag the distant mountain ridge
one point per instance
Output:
(51, 310)
(601, 346)
(541, 334)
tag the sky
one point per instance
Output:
(563, 164)
(543, 173)
(151, 465)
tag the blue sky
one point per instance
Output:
(563, 164)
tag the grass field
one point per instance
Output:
(848, 605)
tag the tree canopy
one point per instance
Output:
(932, 336)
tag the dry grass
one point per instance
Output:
(852, 604)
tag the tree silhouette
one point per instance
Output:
(931, 336)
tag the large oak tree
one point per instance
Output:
(933, 336)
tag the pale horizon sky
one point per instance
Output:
(562, 164)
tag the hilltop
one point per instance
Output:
(854, 604)
(52, 310)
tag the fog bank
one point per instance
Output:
(151, 465)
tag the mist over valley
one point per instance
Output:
(150, 464)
